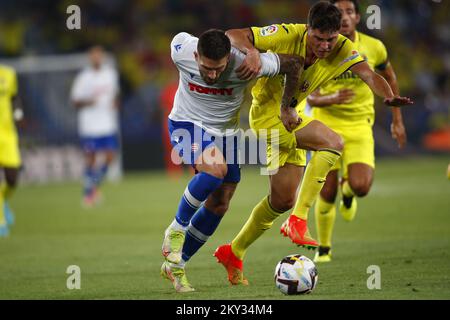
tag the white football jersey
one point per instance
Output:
(213, 107)
(100, 118)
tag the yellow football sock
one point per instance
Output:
(6, 191)
(325, 214)
(261, 219)
(314, 179)
(347, 190)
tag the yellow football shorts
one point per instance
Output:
(9, 151)
(359, 146)
(281, 144)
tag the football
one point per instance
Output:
(296, 274)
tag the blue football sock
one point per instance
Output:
(101, 173)
(89, 181)
(198, 189)
(202, 226)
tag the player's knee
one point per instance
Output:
(336, 142)
(360, 187)
(282, 203)
(217, 170)
(332, 141)
(328, 193)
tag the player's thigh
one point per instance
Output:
(283, 186)
(219, 200)
(9, 151)
(359, 158)
(315, 136)
(330, 188)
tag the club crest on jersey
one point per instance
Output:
(269, 30)
(305, 86)
(195, 147)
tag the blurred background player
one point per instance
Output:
(9, 144)
(95, 94)
(346, 105)
(204, 129)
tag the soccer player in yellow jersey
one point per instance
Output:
(325, 55)
(9, 149)
(346, 105)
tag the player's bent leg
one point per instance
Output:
(328, 146)
(358, 184)
(261, 219)
(325, 214)
(206, 220)
(283, 188)
(89, 179)
(177, 275)
(7, 188)
(209, 177)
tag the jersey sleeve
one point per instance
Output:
(276, 37)
(347, 56)
(270, 64)
(381, 56)
(178, 47)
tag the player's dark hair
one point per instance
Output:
(213, 44)
(325, 17)
(355, 4)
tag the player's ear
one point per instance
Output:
(196, 56)
(358, 18)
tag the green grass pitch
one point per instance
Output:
(403, 226)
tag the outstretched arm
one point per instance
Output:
(379, 85)
(398, 130)
(316, 99)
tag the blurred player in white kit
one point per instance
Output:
(95, 95)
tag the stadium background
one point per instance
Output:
(404, 223)
(138, 34)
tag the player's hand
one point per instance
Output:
(290, 118)
(398, 133)
(250, 67)
(398, 101)
(344, 96)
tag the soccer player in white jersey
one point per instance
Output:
(95, 95)
(204, 130)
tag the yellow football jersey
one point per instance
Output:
(292, 39)
(8, 89)
(361, 108)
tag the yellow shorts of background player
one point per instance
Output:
(281, 144)
(359, 146)
(9, 152)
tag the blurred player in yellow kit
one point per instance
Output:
(346, 105)
(325, 55)
(9, 146)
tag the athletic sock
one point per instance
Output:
(314, 179)
(202, 226)
(198, 189)
(325, 214)
(261, 219)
